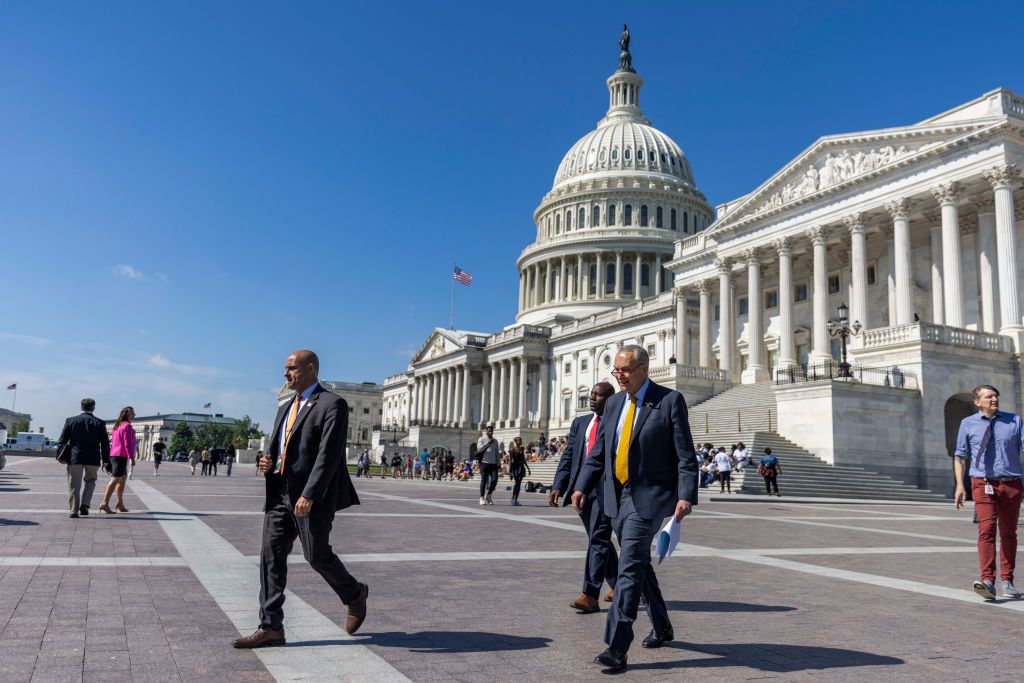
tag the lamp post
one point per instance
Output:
(393, 428)
(844, 330)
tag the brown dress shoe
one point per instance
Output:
(585, 604)
(357, 610)
(610, 596)
(263, 637)
(121, 508)
(106, 509)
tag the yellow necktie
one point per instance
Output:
(292, 415)
(622, 452)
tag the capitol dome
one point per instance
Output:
(622, 195)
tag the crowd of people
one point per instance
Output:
(718, 464)
(210, 458)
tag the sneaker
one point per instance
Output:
(483, 501)
(515, 501)
(1009, 591)
(985, 589)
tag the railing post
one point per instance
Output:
(706, 429)
(739, 422)
(769, 419)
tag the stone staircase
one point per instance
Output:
(747, 413)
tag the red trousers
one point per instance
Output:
(1002, 505)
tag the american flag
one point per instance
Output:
(207, 405)
(462, 277)
(12, 387)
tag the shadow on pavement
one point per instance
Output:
(439, 642)
(771, 657)
(713, 606)
(12, 489)
(17, 522)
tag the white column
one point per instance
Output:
(726, 333)
(435, 397)
(938, 308)
(820, 348)
(704, 335)
(543, 390)
(636, 275)
(1002, 179)
(502, 391)
(466, 412)
(987, 267)
(890, 276)
(581, 294)
(485, 389)
(585, 285)
(494, 402)
(547, 282)
(522, 290)
(756, 370)
(521, 412)
(898, 210)
(445, 404)
(858, 269)
(657, 275)
(512, 391)
(599, 287)
(787, 347)
(563, 285)
(682, 347)
(457, 399)
(618, 275)
(952, 271)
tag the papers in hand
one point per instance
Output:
(668, 538)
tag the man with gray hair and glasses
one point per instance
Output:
(989, 445)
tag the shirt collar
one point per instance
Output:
(981, 415)
(309, 390)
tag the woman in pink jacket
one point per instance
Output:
(122, 450)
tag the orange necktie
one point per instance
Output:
(292, 415)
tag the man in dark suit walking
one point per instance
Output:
(307, 482)
(645, 459)
(602, 562)
(87, 436)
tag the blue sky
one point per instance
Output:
(190, 191)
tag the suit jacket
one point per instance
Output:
(87, 434)
(662, 463)
(573, 457)
(315, 466)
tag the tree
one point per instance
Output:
(183, 440)
(213, 435)
(20, 426)
(244, 430)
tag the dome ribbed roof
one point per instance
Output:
(624, 145)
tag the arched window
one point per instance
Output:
(568, 220)
(609, 278)
(592, 279)
(643, 216)
(558, 223)
(652, 156)
(664, 159)
(582, 399)
(672, 219)
(627, 278)
(686, 221)
(581, 218)
(640, 155)
(627, 219)
(659, 218)
(595, 216)
(645, 276)
(611, 214)
(601, 157)
(626, 153)
(615, 154)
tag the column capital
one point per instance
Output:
(618, 253)
(752, 256)
(1001, 176)
(783, 246)
(680, 291)
(984, 203)
(855, 223)
(703, 287)
(662, 334)
(818, 234)
(723, 266)
(899, 208)
(946, 194)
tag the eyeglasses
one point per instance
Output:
(626, 372)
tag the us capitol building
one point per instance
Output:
(912, 229)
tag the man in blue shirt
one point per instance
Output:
(989, 445)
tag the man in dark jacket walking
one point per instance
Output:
(87, 437)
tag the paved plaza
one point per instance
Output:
(762, 590)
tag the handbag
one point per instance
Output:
(64, 453)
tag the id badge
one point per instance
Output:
(989, 489)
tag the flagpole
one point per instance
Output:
(451, 319)
(14, 401)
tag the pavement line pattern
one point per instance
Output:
(890, 532)
(232, 579)
(22, 561)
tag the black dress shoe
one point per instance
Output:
(655, 639)
(84, 510)
(611, 660)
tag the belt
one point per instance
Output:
(997, 478)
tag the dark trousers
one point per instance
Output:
(1002, 506)
(602, 561)
(488, 479)
(280, 528)
(517, 476)
(636, 577)
(770, 482)
(206, 467)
